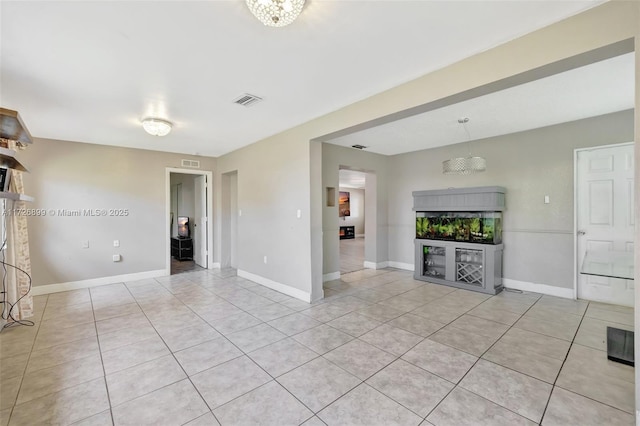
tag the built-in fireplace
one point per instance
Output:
(459, 237)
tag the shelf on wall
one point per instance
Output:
(12, 127)
(15, 196)
(8, 160)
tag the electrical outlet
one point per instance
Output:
(546, 199)
(265, 260)
(117, 258)
(299, 213)
(85, 244)
(116, 243)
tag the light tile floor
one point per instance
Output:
(208, 347)
(351, 255)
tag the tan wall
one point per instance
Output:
(69, 175)
(273, 184)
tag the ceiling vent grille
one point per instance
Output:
(358, 146)
(194, 164)
(247, 100)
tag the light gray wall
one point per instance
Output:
(357, 210)
(70, 175)
(273, 182)
(376, 242)
(538, 237)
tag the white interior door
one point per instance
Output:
(200, 221)
(605, 217)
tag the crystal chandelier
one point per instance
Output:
(276, 13)
(464, 165)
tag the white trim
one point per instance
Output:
(282, 288)
(402, 265)
(550, 290)
(95, 282)
(209, 191)
(374, 265)
(575, 223)
(331, 276)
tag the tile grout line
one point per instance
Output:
(544, 412)
(175, 359)
(24, 373)
(243, 354)
(104, 372)
(333, 301)
(246, 354)
(456, 385)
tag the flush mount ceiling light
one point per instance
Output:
(276, 13)
(156, 126)
(464, 165)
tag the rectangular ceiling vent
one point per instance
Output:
(194, 164)
(247, 100)
(358, 146)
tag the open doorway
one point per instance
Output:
(189, 233)
(351, 213)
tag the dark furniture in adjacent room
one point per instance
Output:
(182, 248)
(347, 232)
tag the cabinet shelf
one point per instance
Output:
(470, 263)
(470, 266)
(15, 196)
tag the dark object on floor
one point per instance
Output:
(620, 346)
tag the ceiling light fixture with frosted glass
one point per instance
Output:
(156, 126)
(276, 13)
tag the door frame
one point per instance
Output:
(576, 274)
(208, 206)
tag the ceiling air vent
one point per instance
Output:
(247, 100)
(194, 164)
(358, 146)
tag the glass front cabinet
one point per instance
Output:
(464, 265)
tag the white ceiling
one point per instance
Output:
(600, 88)
(89, 71)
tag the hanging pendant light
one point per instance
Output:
(276, 13)
(464, 165)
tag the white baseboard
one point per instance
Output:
(331, 276)
(388, 264)
(95, 282)
(401, 265)
(374, 265)
(550, 290)
(282, 288)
